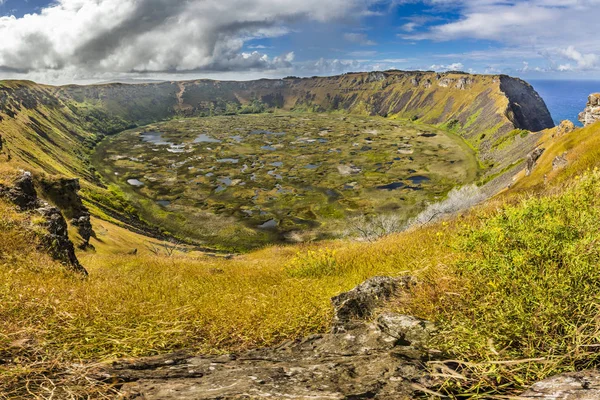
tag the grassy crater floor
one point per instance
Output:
(239, 182)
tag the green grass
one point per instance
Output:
(520, 300)
(513, 288)
(276, 183)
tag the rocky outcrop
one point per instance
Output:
(64, 193)
(564, 128)
(360, 302)
(572, 386)
(532, 160)
(591, 113)
(560, 161)
(384, 359)
(525, 109)
(56, 239)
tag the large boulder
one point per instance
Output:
(360, 302)
(591, 113)
(572, 386)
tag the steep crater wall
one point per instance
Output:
(483, 109)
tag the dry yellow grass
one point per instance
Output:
(467, 269)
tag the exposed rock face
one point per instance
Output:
(360, 302)
(573, 386)
(526, 109)
(64, 193)
(380, 360)
(591, 113)
(56, 241)
(560, 161)
(532, 160)
(22, 193)
(564, 128)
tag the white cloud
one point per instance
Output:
(359, 38)
(584, 61)
(450, 67)
(551, 29)
(99, 37)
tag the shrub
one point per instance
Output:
(313, 264)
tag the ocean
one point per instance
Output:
(565, 99)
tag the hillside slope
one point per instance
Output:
(482, 108)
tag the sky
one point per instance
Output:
(84, 41)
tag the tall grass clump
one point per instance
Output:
(525, 296)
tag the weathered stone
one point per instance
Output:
(57, 241)
(463, 83)
(360, 302)
(64, 193)
(376, 77)
(24, 195)
(366, 362)
(532, 160)
(560, 161)
(565, 128)
(572, 386)
(408, 330)
(591, 113)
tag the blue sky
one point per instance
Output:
(90, 40)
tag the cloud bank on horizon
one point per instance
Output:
(88, 40)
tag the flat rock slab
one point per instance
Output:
(365, 362)
(583, 385)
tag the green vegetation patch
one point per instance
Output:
(238, 182)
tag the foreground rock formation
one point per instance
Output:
(573, 386)
(382, 359)
(591, 113)
(56, 239)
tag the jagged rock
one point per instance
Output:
(366, 362)
(85, 229)
(360, 302)
(591, 113)
(560, 161)
(445, 82)
(414, 82)
(572, 386)
(463, 83)
(376, 77)
(24, 195)
(57, 240)
(532, 160)
(64, 193)
(565, 128)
